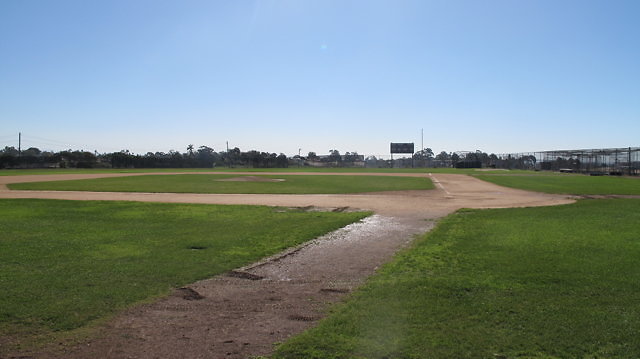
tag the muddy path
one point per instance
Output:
(242, 313)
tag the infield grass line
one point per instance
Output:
(544, 282)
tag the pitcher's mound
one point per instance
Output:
(251, 179)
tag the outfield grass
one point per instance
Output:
(549, 282)
(568, 184)
(62, 171)
(20, 172)
(65, 264)
(205, 183)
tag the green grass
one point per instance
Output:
(203, 183)
(551, 282)
(62, 171)
(66, 264)
(568, 184)
(21, 172)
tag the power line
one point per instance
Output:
(7, 137)
(36, 140)
(49, 144)
(48, 141)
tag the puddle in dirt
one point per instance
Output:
(345, 253)
(369, 227)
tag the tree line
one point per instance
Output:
(207, 157)
(473, 159)
(202, 157)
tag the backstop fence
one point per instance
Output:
(609, 161)
(603, 161)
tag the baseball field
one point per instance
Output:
(169, 264)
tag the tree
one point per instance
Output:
(255, 158)
(206, 156)
(10, 151)
(423, 155)
(351, 156)
(190, 150)
(282, 161)
(334, 156)
(528, 162)
(374, 162)
(454, 157)
(31, 151)
(232, 156)
(443, 156)
(202, 150)
(428, 152)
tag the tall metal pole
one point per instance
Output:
(19, 144)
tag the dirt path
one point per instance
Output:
(453, 192)
(244, 313)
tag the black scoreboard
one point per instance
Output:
(401, 147)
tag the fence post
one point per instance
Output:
(629, 161)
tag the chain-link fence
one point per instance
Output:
(609, 161)
(604, 161)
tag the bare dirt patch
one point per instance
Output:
(187, 293)
(242, 313)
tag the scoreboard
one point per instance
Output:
(401, 147)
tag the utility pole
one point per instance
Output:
(19, 144)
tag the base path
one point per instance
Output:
(244, 312)
(453, 192)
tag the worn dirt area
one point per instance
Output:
(241, 314)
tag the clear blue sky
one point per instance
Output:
(282, 75)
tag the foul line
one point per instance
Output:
(439, 184)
